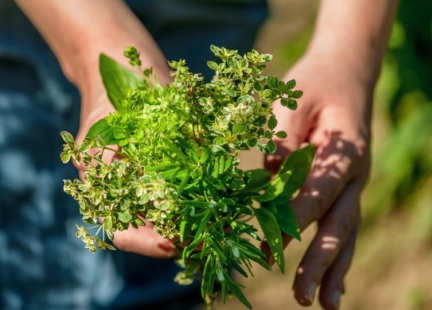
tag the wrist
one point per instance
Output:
(362, 62)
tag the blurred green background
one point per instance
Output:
(392, 268)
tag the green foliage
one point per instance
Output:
(179, 146)
(402, 160)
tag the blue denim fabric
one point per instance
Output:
(43, 265)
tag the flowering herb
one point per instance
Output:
(179, 147)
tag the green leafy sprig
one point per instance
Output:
(179, 146)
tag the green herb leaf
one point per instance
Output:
(287, 220)
(272, 233)
(239, 128)
(299, 162)
(116, 79)
(105, 131)
(276, 187)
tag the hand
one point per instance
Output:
(334, 115)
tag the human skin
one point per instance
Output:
(337, 74)
(77, 32)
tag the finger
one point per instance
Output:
(334, 229)
(143, 240)
(332, 284)
(336, 163)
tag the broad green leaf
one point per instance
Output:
(239, 128)
(176, 150)
(272, 233)
(299, 162)
(125, 217)
(281, 134)
(182, 230)
(107, 223)
(290, 84)
(259, 178)
(65, 157)
(105, 131)
(67, 137)
(287, 220)
(205, 156)
(116, 79)
(272, 122)
(276, 187)
(212, 65)
(297, 94)
(187, 251)
(272, 81)
(271, 146)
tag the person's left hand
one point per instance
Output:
(334, 115)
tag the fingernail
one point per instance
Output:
(335, 299)
(311, 292)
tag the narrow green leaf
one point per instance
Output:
(239, 269)
(187, 251)
(182, 230)
(228, 164)
(183, 182)
(189, 149)
(281, 134)
(176, 150)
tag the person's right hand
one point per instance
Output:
(77, 32)
(142, 240)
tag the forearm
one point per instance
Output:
(79, 30)
(354, 33)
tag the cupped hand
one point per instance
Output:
(334, 115)
(142, 240)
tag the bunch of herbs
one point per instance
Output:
(179, 147)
